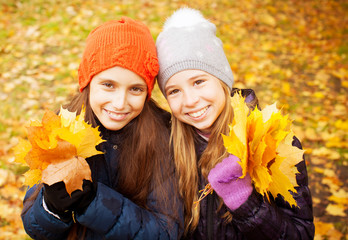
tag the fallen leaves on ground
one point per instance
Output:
(292, 52)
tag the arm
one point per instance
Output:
(259, 219)
(116, 217)
(37, 222)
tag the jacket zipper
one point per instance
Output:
(210, 216)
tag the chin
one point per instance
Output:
(113, 127)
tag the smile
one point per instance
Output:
(116, 116)
(198, 113)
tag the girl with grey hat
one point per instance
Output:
(196, 79)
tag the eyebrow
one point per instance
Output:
(115, 80)
(101, 78)
(190, 79)
(197, 76)
(139, 85)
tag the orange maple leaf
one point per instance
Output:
(71, 172)
(56, 150)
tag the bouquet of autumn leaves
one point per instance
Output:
(262, 140)
(56, 149)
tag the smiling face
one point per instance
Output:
(195, 98)
(117, 96)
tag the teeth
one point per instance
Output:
(115, 114)
(199, 113)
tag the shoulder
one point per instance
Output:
(249, 95)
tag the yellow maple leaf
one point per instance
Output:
(262, 140)
(66, 117)
(79, 133)
(21, 150)
(32, 176)
(63, 142)
(237, 140)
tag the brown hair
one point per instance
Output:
(143, 150)
(144, 154)
(185, 158)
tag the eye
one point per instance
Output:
(137, 90)
(108, 84)
(197, 82)
(172, 92)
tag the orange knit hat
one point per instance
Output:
(126, 43)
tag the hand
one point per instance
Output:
(59, 201)
(224, 179)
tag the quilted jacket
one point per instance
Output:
(110, 215)
(257, 218)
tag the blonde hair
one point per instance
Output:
(185, 158)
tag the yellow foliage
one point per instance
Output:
(262, 140)
(56, 149)
(335, 210)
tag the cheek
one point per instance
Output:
(221, 105)
(96, 99)
(174, 105)
(220, 101)
(137, 102)
(93, 101)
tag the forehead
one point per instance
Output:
(120, 74)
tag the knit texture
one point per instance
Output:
(188, 41)
(224, 179)
(126, 43)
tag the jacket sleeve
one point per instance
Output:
(37, 222)
(259, 219)
(114, 216)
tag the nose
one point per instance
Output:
(191, 99)
(119, 99)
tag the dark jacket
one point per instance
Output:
(110, 215)
(257, 218)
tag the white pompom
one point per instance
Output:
(184, 17)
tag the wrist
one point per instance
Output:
(250, 207)
(239, 193)
(63, 216)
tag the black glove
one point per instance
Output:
(58, 200)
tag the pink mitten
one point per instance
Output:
(224, 179)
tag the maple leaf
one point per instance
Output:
(76, 131)
(237, 140)
(21, 150)
(78, 170)
(56, 149)
(32, 176)
(262, 140)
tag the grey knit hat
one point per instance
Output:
(188, 41)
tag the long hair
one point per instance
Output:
(143, 149)
(142, 156)
(143, 165)
(183, 139)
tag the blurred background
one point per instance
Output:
(291, 52)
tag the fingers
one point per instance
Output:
(226, 171)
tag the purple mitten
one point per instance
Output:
(224, 179)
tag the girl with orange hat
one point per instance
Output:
(133, 193)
